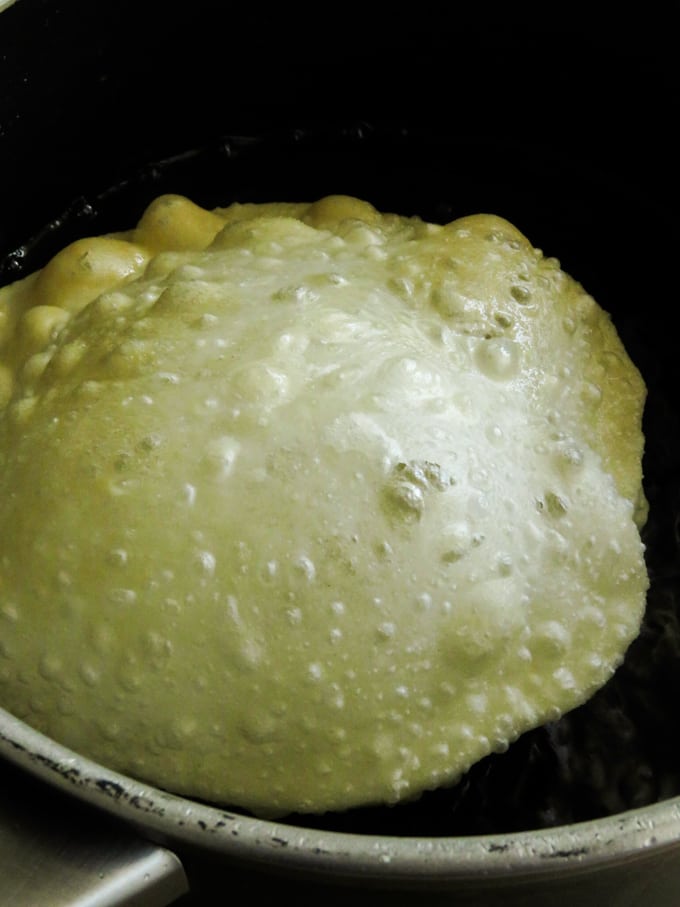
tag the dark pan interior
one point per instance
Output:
(564, 127)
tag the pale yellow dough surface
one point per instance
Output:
(304, 506)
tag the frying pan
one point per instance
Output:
(562, 126)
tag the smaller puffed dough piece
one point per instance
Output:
(306, 506)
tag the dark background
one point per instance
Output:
(90, 91)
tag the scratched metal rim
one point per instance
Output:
(276, 846)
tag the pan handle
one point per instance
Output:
(56, 851)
